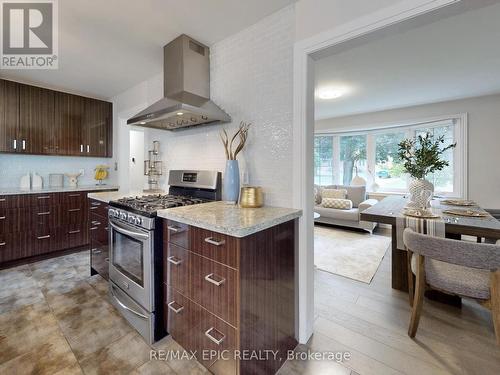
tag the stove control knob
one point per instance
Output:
(123, 216)
(138, 221)
(111, 212)
(131, 219)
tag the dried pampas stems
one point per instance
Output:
(242, 133)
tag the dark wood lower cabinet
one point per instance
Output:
(99, 238)
(32, 225)
(225, 295)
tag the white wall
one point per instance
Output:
(251, 78)
(136, 160)
(316, 16)
(483, 148)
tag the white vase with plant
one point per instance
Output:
(422, 156)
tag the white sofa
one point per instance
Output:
(346, 218)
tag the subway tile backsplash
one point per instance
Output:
(12, 167)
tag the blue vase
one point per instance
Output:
(231, 190)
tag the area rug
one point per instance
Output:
(351, 254)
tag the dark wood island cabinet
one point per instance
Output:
(227, 297)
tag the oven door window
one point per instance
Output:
(128, 256)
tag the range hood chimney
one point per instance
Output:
(186, 90)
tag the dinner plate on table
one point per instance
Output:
(466, 213)
(458, 202)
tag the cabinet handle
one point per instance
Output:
(96, 251)
(81, 148)
(74, 209)
(95, 222)
(15, 144)
(171, 307)
(88, 148)
(24, 144)
(106, 260)
(43, 213)
(218, 342)
(43, 197)
(174, 260)
(3, 243)
(73, 195)
(94, 228)
(210, 279)
(74, 231)
(2, 217)
(174, 229)
(43, 237)
(2, 199)
(213, 241)
(97, 204)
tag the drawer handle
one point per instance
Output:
(213, 241)
(218, 342)
(94, 228)
(74, 195)
(95, 222)
(174, 260)
(44, 197)
(106, 228)
(96, 251)
(96, 204)
(174, 229)
(74, 231)
(210, 279)
(171, 307)
(43, 237)
(2, 199)
(43, 213)
(74, 209)
(94, 208)
(106, 260)
(2, 217)
(3, 243)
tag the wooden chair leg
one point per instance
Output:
(411, 292)
(419, 297)
(495, 302)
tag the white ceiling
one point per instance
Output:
(106, 47)
(451, 58)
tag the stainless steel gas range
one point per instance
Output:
(135, 267)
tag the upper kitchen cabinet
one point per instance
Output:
(69, 110)
(9, 115)
(97, 128)
(35, 120)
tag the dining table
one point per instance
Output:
(392, 207)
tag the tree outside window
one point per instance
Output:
(388, 172)
(352, 155)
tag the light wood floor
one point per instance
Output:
(371, 320)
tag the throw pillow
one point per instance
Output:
(340, 204)
(334, 193)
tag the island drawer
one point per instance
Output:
(176, 268)
(215, 246)
(9, 201)
(214, 286)
(196, 329)
(177, 233)
(74, 199)
(99, 230)
(9, 220)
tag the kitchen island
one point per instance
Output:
(229, 285)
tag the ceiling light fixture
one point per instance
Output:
(180, 113)
(143, 123)
(330, 93)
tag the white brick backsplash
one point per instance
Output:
(251, 79)
(12, 167)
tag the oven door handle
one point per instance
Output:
(129, 232)
(126, 307)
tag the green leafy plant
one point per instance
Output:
(421, 156)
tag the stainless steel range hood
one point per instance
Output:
(186, 89)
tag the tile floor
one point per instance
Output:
(56, 319)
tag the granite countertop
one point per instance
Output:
(107, 196)
(230, 219)
(64, 189)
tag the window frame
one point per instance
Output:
(460, 135)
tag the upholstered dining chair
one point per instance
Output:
(465, 269)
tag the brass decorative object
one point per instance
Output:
(251, 197)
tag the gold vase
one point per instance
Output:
(251, 197)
